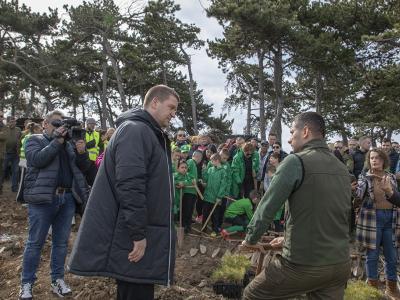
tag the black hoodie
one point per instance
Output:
(131, 199)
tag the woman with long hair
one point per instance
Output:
(378, 222)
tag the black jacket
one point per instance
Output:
(394, 157)
(43, 165)
(359, 161)
(131, 199)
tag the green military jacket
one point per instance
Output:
(317, 186)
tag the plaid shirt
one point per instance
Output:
(366, 220)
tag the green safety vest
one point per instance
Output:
(93, 152)
(23, 143)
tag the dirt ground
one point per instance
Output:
(192, 274)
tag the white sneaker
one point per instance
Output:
(60, 288)
(25, 293)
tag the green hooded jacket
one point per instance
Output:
(238, 170)
(187, 180)
(216, 184)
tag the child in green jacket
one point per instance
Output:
(224, 153)
(184, 184)
(240, 212)
(216, 182)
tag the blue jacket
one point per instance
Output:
(41, 177)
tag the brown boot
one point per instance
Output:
(392, 292)
(373, 282)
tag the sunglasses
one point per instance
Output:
(338, 148)
(276, 147)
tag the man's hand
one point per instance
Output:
(139, 247)
(60, 133)
(80, 146)
(248, 247)
(277, 242)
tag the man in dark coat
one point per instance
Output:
(359, 155)
(127, 231)
(393, 155)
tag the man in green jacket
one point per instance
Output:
(315, 258)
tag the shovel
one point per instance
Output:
(180, 230)
(210, 215)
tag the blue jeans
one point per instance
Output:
(58, 215)
(13, 159)
(384, 237)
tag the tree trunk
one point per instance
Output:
(74, 109)
(164, 73)
(278, 81)
(103, 97)
(248, 119)
(117, 72)
(191, 90)
(389, 133)
(110, 113)
(83, 113)
(101, 114)
(261, 88)
(29, 108)
(318, 91)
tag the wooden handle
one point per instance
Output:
(209, 216)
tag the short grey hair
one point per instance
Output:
(53, 113)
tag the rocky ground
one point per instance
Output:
(192, 274)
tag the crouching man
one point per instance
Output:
(53, 185)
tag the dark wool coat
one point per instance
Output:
(131, 199)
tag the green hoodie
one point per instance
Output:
(216, 184)
(187, 180)
(228, 169)
(238, 170)
(240, 207)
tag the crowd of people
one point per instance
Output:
(131, 184)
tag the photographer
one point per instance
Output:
(53, 186)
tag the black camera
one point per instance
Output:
(74, 128)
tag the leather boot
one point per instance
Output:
(373, 282)
(392, 292)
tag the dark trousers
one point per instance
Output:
(240, 220)
(188, 202)
(207, 208)
(13, 160)
(134, 291)
(247, 187)
(222, 212)
(199, 202)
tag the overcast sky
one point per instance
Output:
(205, 70)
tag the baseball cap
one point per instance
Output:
(185, 148)
(264, 143)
